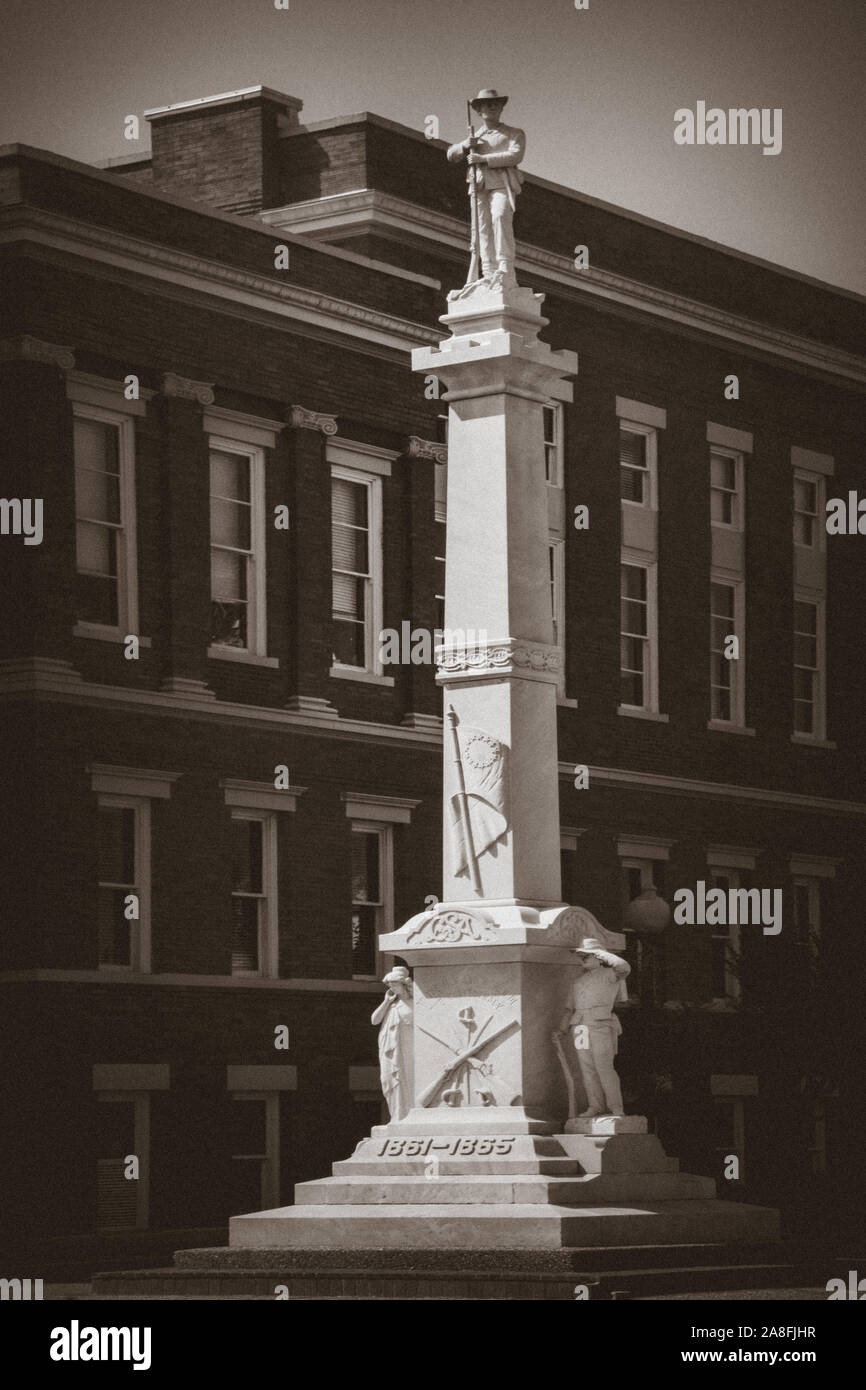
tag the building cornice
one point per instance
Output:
(290, 303)
(56, 682)
(383, 212)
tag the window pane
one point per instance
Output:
(805, 650)
(804, 717)
(350, 648)
(723, 472)
(349, 502)
(633, 616)
(246, 855)
(633, 581)
(363, 941)
(96, 600)
(228, 576)
(97, 495)
(245, 934)
(631, 484)
(632, 651)
(349, 549)
(632, 449)
(115, 940)
(96, 548)
(96, 445)
(230, 475)
(722, 507)
(722, 596)
(804, 529)
(116, 844)
(631, 690)
(805, 496)
(230, 523)
(365, 867)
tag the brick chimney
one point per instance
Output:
(223, 149)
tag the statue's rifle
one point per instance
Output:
(463, 802)
(473, 203)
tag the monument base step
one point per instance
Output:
(638, 1272)
(512, 1226)
(586, 1189)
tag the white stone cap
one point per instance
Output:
(225, 99)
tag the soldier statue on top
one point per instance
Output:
(494, 180)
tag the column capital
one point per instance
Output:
(303, 419)
(427, 449)
(26, 348)
(184, 388)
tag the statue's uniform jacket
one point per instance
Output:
(594, 997)
(504, 149)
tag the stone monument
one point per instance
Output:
(489, 1154)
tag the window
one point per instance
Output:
(254, 1147)
(638, 627)
(356, 541)
(727, 674)
(807, 926)
(809, 509)
(368, 899)
(124, 853)
(553, 443)
(237, 547)
(634, 467)
(254, 906)
(105, 549)
(645, 955)
(809, 711)
(726, 488)
(123, 1132)
(725, 943)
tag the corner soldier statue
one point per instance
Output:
(596, 1028)
(494, 184)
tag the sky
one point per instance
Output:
(595, 90)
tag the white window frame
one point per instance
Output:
(651, 487)
(554, 449)
(139, 931)
(257, 555)
(269, 1172)
(738, 509)
(373, 586)
(638, 560)
(127, 544)
(738, 672)
(268, 935)
(141, 1148)
(818, 733)
(818, 481)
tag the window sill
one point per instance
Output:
(720, 726)
(354, 673)
(632, 712)
(565, 702)
(106, 634)
(245, 658)
(810, 741)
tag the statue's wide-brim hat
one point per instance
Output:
(487, 94)
(591, 947)
(398, 975)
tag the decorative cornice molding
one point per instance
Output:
(178, 268)
(26, 348)
(186, 389)
(508, 655)
(304, 419)
(427, 449)
(368, 207)
(693, 786)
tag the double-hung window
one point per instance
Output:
(726, 488)
(106, 590)
(124, 891)
(637, 459)
(237, 537)
(809, 666)
(254, 892)
(638, 637)
(357, 472)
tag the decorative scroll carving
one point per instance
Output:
(187, 389)
(29, 349)
(304, 419)
(451, 927)
(495, 656)
(427, 449)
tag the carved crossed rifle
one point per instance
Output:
(467, 1055)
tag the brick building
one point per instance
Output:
(204, 376)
